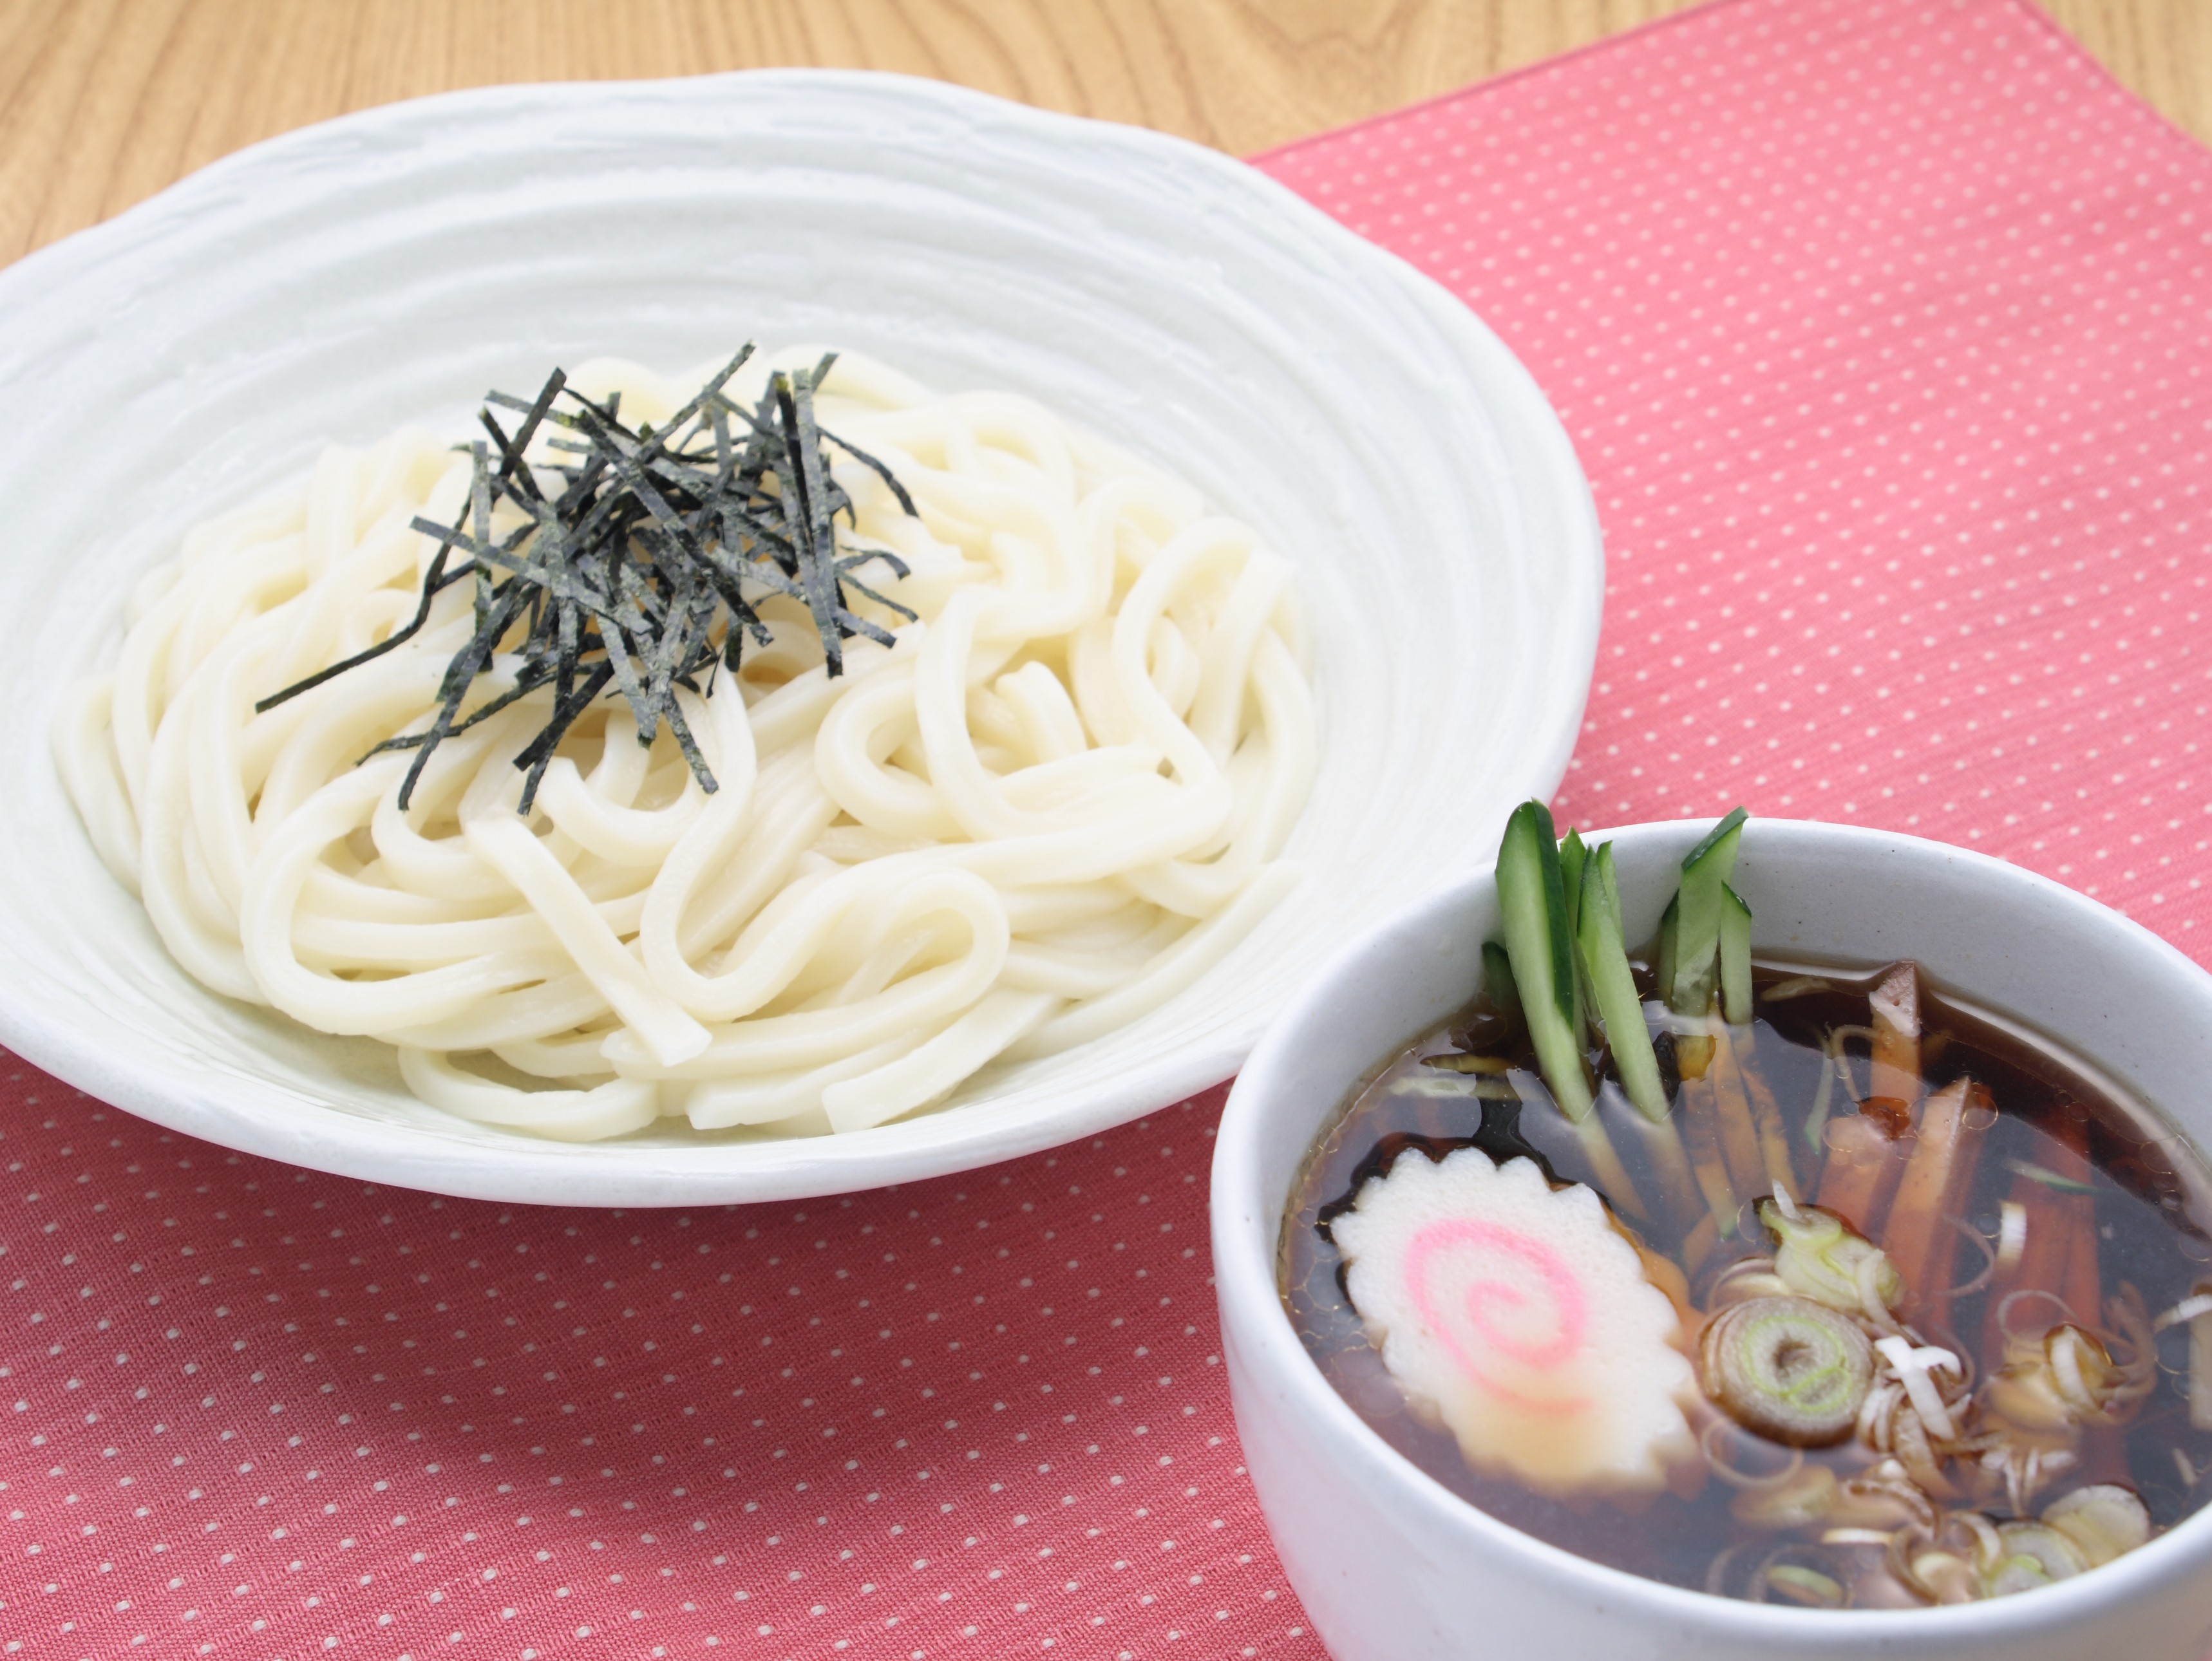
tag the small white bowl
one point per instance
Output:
(392, 266)
(1391, 1564)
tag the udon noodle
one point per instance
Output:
(1056, 801)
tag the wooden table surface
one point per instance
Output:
(103, 102)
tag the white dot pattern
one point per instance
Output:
(1884, 330)
(257, 1411)
(1881, 328)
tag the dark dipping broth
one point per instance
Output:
(2069, 1204)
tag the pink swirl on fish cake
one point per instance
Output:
(1570, 1307)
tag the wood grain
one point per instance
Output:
(103, 102)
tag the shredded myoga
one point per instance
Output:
(1011, 770)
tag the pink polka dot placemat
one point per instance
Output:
(1883, 327)
(1884, 330)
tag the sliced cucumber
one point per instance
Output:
(1713, 838)
(1498, 982)
(1613, 986)
(1735, 956)
(1574, 855)
(1532, 898)
(1689, 990)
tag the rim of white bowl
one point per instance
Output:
(522, 1170)
(1244, 1272)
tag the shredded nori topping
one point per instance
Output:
(634, 571)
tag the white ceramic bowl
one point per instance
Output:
(1391, 1564)
(392, 266)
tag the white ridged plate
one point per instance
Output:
(390, 267)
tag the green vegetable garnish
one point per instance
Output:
(1464, 1063)
(1706, 873)
(1498, 985)
(1822, 1260)
(1735, 956)
(1566, 961)
(1532, 895)
(1788, 1368)
(1807, 1586)
(1574, 857)
(2048, 1177)
(1613, 986)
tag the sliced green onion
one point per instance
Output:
(1796, 986)
(1466, 1064)
(2102, 1521)
(1806, 1496)
(1453, 1087)
(2035, 1554)
(1819, 1257)
(1807, 1586)
(2187, 1309)
(2047, 1177)
(1816, 1122)
(1915, 1368)
(1788, 1368)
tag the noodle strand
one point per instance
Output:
(1060, 796)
